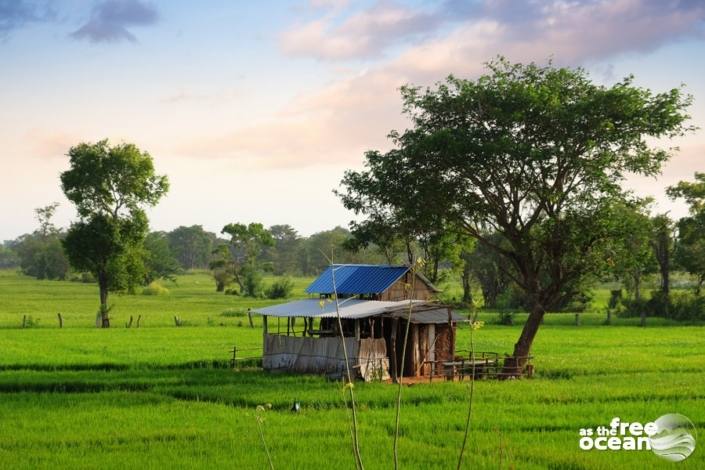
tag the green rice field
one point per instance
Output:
(161, 396)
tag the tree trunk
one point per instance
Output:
(514, 366)
(103, 286)
(637, 286)
(467, 287)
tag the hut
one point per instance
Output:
(374, 304)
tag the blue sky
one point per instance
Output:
(254, 109)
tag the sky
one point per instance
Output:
(255, 109)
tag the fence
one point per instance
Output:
(485, 365)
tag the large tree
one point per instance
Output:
(534, 153)
(110, 186)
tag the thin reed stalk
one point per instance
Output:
(258, 418)
(401, 370)
(349, 385)
(473, 326)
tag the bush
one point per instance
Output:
(154, 288)
(233, 313)
(232, 291)
(280, 289)
(680, 306)
(252, 283)
(506, 318)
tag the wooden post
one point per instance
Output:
(139, 317)
(264, 325)
(395, 367)
(177, 321)
(61, 320)
(451, 334)
(24, 321)
(129, 324)
(357, 329)
(577, 319)
(249, 316)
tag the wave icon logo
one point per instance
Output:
(675, 438)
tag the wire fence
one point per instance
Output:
(464, 366)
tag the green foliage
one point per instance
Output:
(110, 187)
(40, 254)
(690, 247)
(280, 289)
(678, 306)
(160, 263)
(252, 285)
(535, 153)
(284, 253)
(631, 256)
(155, 288)
(191, 246)
(8, 256)
(240, 261)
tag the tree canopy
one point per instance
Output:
(534, 153)
(110, 187)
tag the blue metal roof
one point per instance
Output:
(356, 279)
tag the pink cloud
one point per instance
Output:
(363, 34)
(336, 124)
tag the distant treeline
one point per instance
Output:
(40, 254)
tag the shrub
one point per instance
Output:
(154, 288)
(680, 306)
(233, 313)
(280, 289)
(252, 283)
(506, 318)
(232, 291)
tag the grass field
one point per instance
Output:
(161, 396)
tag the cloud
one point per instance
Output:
(336, 124)
(18, 13)
(367, 33)
(364, 34)
(110, 20)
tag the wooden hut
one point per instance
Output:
(374, 304)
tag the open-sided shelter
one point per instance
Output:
(374, 303)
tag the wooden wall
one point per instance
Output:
(398, 290)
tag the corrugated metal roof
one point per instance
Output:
(349, 308)
(357, 279)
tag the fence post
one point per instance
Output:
(61, 320)
(234, 359)
(577, 319)
(249, 317)
(24, 321)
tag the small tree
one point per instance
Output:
(40, 253)
(690, 245)
(110, 187)
(662, 242)
(632, 256)
(246, 245)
